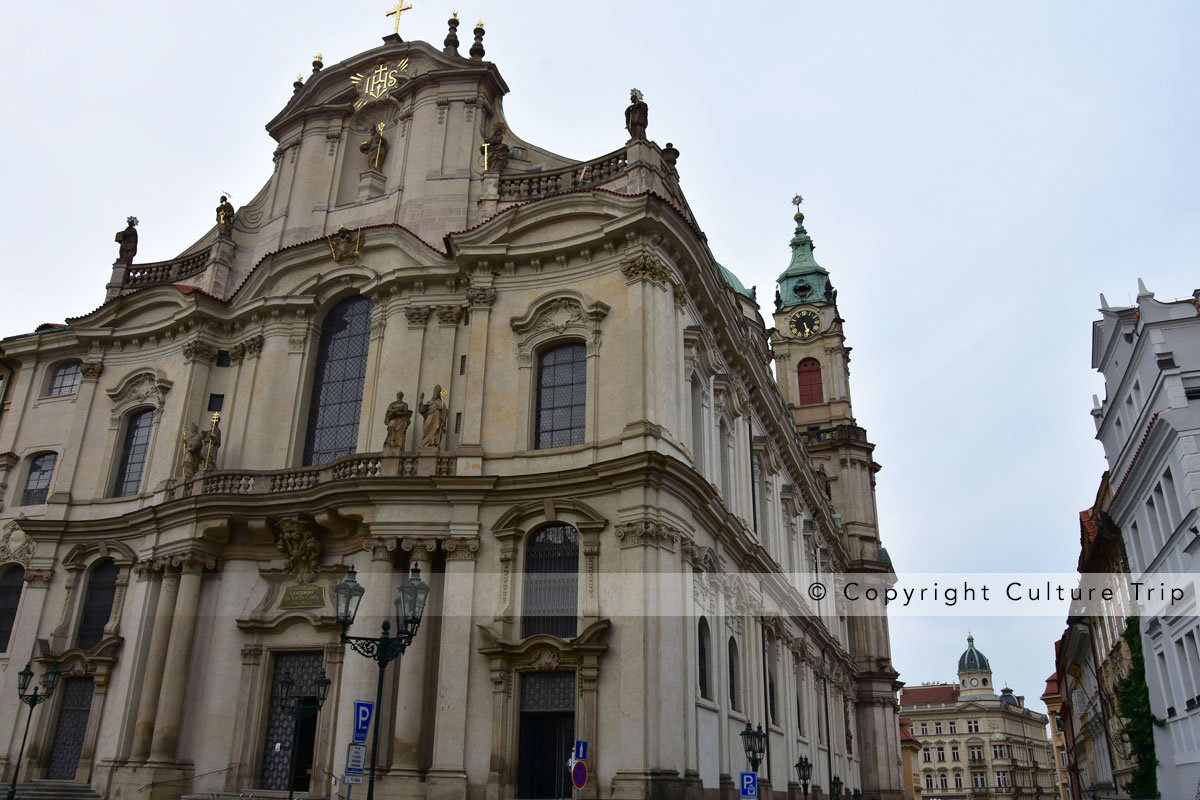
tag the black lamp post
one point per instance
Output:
(857, 795)
(804, 772)
(755, 743)
(835, 788)
(1094, 791)
(30, 699)
(299, 711)
(410, 605)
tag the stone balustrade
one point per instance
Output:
(518, 188)
(138, 275)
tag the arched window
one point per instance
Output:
(37, 483)
(337, 389)
(65, 380)
(97, 603)
(735, 686)
(809, 373)
(772, 657)
(11, 579)
(799, 670)
(135, 444)
(551, 581)
(703, 648)
(562, 395)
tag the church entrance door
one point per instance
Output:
(72, 724)
(547, 734)
(304, 669)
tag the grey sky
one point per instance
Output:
(974, 174)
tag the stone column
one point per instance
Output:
(178, 657)
(447, 777)
(410, 691)
(152, 677)
(480, 296)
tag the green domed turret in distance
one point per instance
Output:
(974, 674)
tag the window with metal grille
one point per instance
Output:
(337, 389)
(37, 484)
(11, 580)
(561, 395)
(97, 603)
(551, 581)
(704, 645)
(133, 453)
(809, 374)
(65, 379)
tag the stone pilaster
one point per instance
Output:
(152, 677)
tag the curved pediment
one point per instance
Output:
(562, 222)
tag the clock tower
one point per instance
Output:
(812, 367)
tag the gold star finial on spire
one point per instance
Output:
(796, 201)
(400, 8)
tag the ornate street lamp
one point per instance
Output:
(755, 743)
(410, 605)
(298, 711)
(857, 795)
(804, 772)
(32, 699)
(835, 788)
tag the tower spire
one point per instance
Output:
(804, 281)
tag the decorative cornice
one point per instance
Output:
(648, 533)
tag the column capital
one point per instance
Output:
(380, 547)
(461, 548)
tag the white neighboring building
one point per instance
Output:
(1149, 425)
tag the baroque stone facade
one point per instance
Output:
(576, 489)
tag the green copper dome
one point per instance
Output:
(972, 660)
(735, 284)
(804, 281)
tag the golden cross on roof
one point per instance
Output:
(400, 8)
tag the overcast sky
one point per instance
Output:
(974, 176)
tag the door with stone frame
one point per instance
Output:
(546, 735)
(71, 728)
(284, 730)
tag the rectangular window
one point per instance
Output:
(215, 403)
(924, 729)
(941, 754)
(462, 365)
(133, 453)
(972, 726)
(37, 485)
(65, 380)
(954, 753)
(937, 728)
(958, 782)
(953, 726)
(927, 756)
(979, 780)
(561, 396)
(458, 422)
(223, 359)
(1002, 779)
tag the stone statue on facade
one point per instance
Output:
(495, 151)
(300, 547)
(435, 414)
(636, 115)
(375, 148)
(225, 217)
(193, 446)
(127, 239)
(211, 443)
(344, 245)
(397, 419)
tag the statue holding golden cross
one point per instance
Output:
(400, 8)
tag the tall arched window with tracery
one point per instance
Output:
(735, 678)
(97, 603)
(12, 577)
(551, 581)
(703, 654)
(135, 446)
(337, 390)
(809, 374)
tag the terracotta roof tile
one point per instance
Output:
(921, 695)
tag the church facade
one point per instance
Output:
(430, 343)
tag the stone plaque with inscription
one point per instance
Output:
(303, 595)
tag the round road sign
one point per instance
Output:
(579, 774)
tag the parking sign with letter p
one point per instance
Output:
(749, 784)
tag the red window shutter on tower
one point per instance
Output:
(809, 373)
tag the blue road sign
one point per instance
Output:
(579, 774)
(749, 784)
(363, 709)
(580, 750)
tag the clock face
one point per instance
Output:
(805, 323)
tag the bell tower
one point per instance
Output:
(813, 371)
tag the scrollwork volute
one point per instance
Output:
(16, 545)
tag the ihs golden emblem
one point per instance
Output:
(377, 84)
